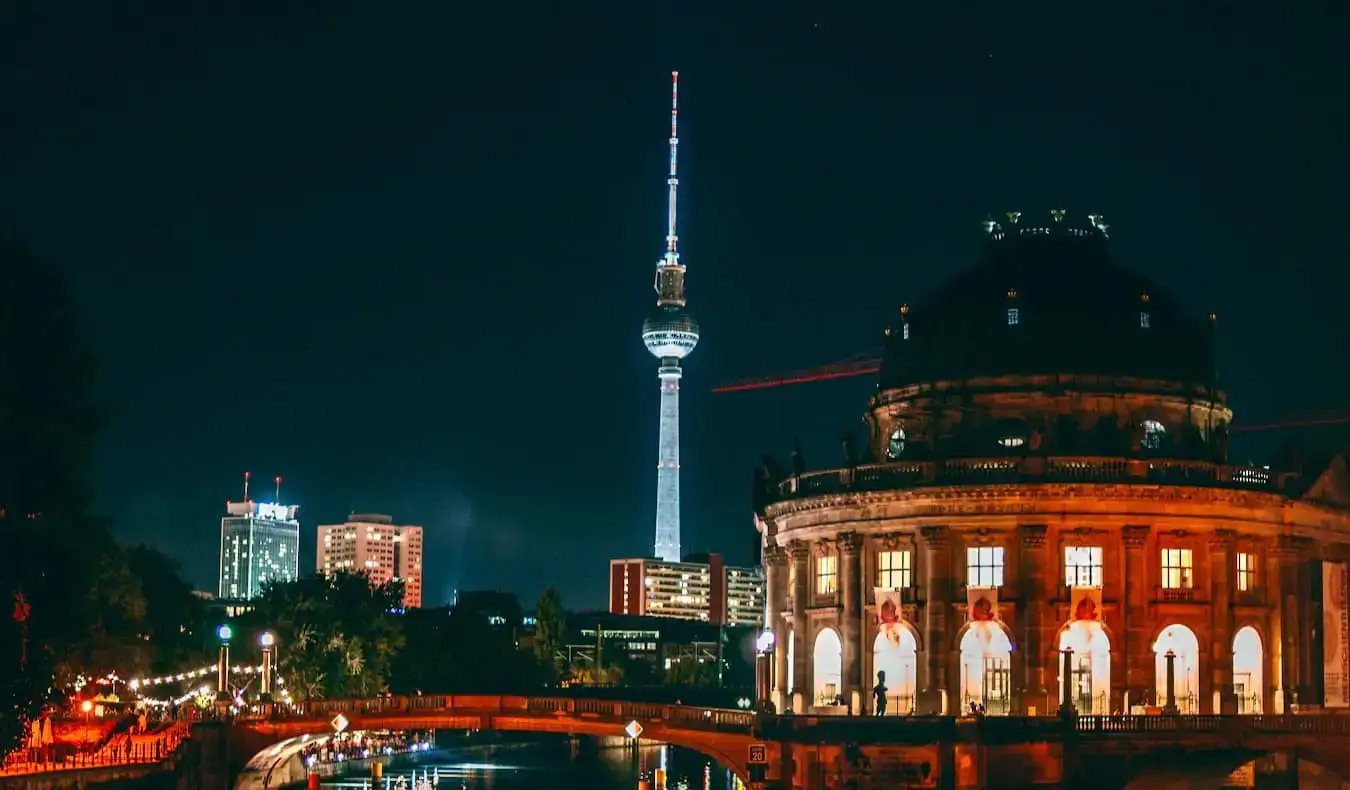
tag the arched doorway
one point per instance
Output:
(1186, 648)
(829, 665)
(986, 660)
(1090, 666)
(896, 654)
(1248, 679)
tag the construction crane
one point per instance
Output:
(849, 368)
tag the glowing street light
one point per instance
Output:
(268, 641)
(225, 633)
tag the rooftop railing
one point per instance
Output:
(994, 471)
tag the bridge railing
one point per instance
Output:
(690, 717)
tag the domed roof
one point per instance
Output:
(1047, 298)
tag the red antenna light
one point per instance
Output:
(278, 499)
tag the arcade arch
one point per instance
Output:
(895, 652)
(1248, 677)
(1185, 648)
(1090, 673)
(986, 662)
(829, 666)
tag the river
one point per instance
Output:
(553, 762)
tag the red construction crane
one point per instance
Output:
(861, 367)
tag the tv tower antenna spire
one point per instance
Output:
(670, 334)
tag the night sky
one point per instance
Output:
(400, 253)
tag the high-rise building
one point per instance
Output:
(699, 588)
(670, 334)
(372, 544)
(259, 544)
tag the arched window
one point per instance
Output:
(1154, 434)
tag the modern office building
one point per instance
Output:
(372, 544)
(699, 588)
(259, 544)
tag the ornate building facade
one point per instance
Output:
(1049, 492)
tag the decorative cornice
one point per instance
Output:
(1134, 537)
(850, 543)
(935, 537)
(1032, 536)
(894, 540)
(1220, 540)
(799, 550)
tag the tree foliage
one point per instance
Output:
(549, 632)
(336, 635)
(49, 420)
(460, 650)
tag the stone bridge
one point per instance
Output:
(1102, 752)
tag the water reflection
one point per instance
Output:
(553, 762)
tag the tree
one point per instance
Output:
(549, 631)
(692, 673)
(173, 618)
(336, 634)
(49, 420)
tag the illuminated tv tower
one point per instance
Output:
(670, 334)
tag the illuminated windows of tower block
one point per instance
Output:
(670, 334)
(699, 588)
(259, 544)
(372, 544)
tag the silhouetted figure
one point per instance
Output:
(879, 693)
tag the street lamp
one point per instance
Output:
(268, 641)
(224, 633)
(764, 668)
(86, 706)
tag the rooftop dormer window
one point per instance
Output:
(1013, 316)
(895, 444)
(1154, 433)
(1143, 319)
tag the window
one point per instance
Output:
(1154, 433)
(904, 331)
(1012, 441)
(1083, 566)
(894, 570)
(1176, 569)
(827, 575)
(1246, 572)
(1143, 319)
(895, 446)
(1012, 316)
(984, 566)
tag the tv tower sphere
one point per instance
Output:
(670, 332)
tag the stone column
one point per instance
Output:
(776, 619)
(799, 553)
(1287, 557)
(1136, 647)
(938, 588)
(850, 624)
(1221, 577)
(1035, 589)
(1275, 695)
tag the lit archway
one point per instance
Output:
(986, 661)
(829, 667)
(896, 654)
(1248, 679)
(1186, 648)
(791, 662)
(1090, 670)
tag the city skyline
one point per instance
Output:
(410, 282)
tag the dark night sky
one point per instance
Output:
(400, 253)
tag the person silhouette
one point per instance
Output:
(879, 693)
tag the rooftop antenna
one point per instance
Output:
(246, 476)
(278, 499)
(672, 240)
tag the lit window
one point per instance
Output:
(827, 575)
(1012, 441)
(1012, 316)
(984, 566)
(1083, 566)
(904, 331)
(894, 570)
(1143, 319)
(1246, 572)
(1154, 433)
(1176, 569)
(895, 446)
